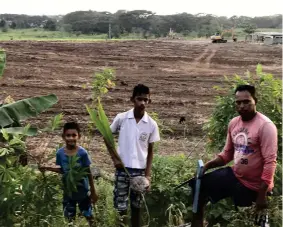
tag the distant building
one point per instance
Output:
(267, 38)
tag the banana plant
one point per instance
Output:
(12, 114)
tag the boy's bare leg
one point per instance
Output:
(90, 221)
(135, 217)
(122, 219)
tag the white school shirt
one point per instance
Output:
(134, 138)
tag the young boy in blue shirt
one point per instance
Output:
(83, 197)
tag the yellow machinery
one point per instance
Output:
(219, 38)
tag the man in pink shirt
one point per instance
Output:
(252, 144)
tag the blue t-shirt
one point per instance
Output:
(84, 161)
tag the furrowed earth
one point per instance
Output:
(180, 74)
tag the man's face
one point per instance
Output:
(140, 101)
(245, 104)
(71, 137)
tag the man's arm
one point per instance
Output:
(225, 156)
(217, 162)
(268, 145)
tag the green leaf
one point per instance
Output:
(54, 123)
(259, 69)
(16, 141)
(5, 151)
(6, 174)
(5, 134)
(26, 108)
(2, 62)
(21, 131)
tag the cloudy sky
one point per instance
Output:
(216, 7)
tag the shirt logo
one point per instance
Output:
(242, 142)
(143, 137)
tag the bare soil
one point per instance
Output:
(180, 74)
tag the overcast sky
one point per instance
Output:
(218, 7)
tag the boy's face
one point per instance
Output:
(140, 101)
(71, 137)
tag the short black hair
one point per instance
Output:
(140, 89)
(246, 87)
(71, 125)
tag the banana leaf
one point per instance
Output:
(22, 131)
(24, 109)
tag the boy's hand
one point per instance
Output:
(93, 197)
(42, 168)
(149, 186)
(117, 164)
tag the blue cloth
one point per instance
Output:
(84, 161)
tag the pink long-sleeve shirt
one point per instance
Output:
(253, 147)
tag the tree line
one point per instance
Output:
(138, 21)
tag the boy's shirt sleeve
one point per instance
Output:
(154, 136)
(58, 159)
(86, 161)
(115, 124)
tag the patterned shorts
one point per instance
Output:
(122, 189)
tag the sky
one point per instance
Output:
(227, 8)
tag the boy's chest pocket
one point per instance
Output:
(143, 137)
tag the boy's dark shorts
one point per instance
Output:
(222, 183)
(70, 205)
(122, 189)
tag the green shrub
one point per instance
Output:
(269, 94)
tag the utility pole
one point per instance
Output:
(109, 31)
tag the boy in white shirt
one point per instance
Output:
(137, 134)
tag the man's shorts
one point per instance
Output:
(222, 183)
(70, 205)
(122, 189)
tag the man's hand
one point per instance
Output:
(261, 202)
(205, 168)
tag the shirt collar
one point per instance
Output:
(144, 118)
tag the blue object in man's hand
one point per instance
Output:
(200, 167)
